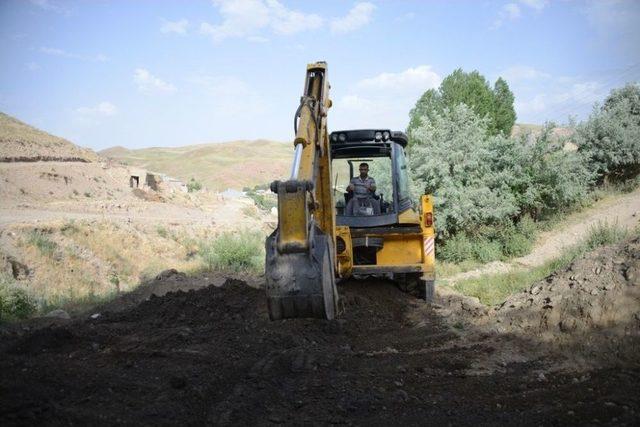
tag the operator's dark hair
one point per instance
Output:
(363, 164)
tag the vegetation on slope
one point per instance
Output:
(21, 142)
(217, 166)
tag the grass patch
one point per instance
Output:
(15, 303)
(162, 232)
(193, 186)
(488, 244)
(492, 289)
(43, 242)
(236, 251)
(264, 201)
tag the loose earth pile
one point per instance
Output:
(210, 355)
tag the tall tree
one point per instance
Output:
(503, 112)
(611, 136)
(473, 90)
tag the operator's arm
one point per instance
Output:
(351, 186)
(372, 185)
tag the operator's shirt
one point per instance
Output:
(360, 185)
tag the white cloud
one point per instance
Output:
(513, 11)
(103, 109)
(419, 78)
(32, 66)
(51, 6)
(523, 72)
(556, 98)
(406, 17)
(64, 54)
(383, 100)
(227, 96)
(358, 16)
(535, 4)
(249, 18)
(508, 12)
(174, 27)
(148, 83)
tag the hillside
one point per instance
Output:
(20, 142)
(218, 166)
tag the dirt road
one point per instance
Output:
(210, 356)
(622, 210)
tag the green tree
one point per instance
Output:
(473, 90)
(610, 138)
(503, 112)
(483, 181)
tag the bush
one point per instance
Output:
(457, 249)
(237, 251)
(604, 233)
(515, 244)
(485, 250)
(43, 242)
(162, 231)
(481, 180)
(610, 138)
(263, 201)
(15, 303)
(193, 186)
(527, 227)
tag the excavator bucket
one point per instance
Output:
(301, 284)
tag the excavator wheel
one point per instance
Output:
(301, 285)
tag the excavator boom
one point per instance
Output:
(300, 254)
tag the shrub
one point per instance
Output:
(43, 242)
(482, 180)
(15, 303)
(604, 233)
(457, 249)
(263, 201)
(527, 227)
(515, 244)
(193, 186)
(486, 250)
(162, 231)
(237, 251)
(610, 138)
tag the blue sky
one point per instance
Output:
(171, 73)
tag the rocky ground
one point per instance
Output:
(195, 350)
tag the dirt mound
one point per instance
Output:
(20, 142)
(211, 356)
(595, 299)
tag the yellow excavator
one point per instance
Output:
(327, 231)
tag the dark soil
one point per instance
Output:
(211, 356)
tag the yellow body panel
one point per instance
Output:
(345, 258)
(401, 250)
(409, 217)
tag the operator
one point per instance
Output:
(362, 187)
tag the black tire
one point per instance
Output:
(329, 290)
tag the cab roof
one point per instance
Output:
(368, 136)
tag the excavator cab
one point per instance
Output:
(327, 232)
(383, 152)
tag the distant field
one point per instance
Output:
(218, 166)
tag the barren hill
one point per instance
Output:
(20, 142)
(218, 166)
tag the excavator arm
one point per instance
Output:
(300, 253)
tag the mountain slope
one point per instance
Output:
(20, 142)
(218, 166)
